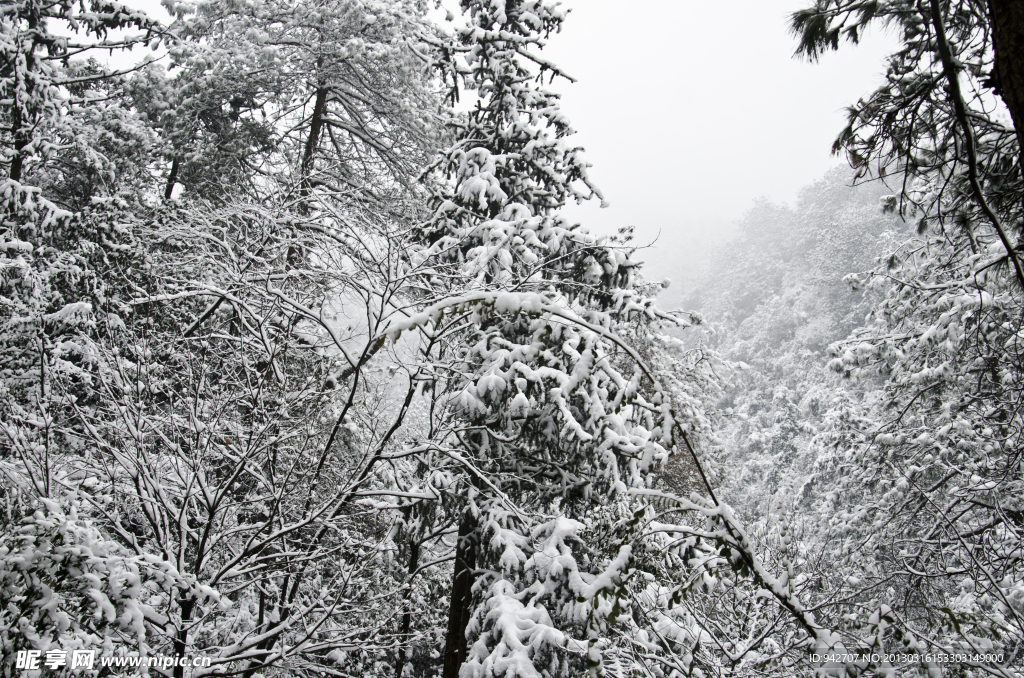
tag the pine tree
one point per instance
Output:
(334, 89)
(546, 410)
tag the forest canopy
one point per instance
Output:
(304, 371)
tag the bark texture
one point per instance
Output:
(316, 123)
(460, 609)
(1007, 18)
(403, 650)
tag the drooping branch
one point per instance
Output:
(970, 145)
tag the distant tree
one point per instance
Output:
(317, 87)
(775, 297)
(906, 536)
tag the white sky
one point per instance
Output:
(691, 110)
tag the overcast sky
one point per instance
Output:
(691, 110)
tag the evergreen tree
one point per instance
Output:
(548, 406)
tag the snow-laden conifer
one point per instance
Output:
(550, 405)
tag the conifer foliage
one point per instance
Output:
(554, 411)
(900, 544)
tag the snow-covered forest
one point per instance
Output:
(305, 371)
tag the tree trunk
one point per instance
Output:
(19, 143)
(1007, 18)
(264, 647)
(460, 609)
(315, 125)
(181, 638)
(950, 68)
(21, 128)
(414, 558)
(172, 178)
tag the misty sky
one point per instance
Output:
(691, 110)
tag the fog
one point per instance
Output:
(691, 110)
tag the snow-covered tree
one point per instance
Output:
(67, 587)
(191, 374)
(906, 540)
(331, 88)
(776, 298)
(549, 402)
(937, 460)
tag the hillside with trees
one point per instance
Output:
(303, 371)
(774, 299)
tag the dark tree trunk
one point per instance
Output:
(414, 558)
(265, 646)
(316, 123)
(172, 178)
(315, 126)
(460, 609)
(181, 639)
(956, 98)
(20, 142)
(1007, 18)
